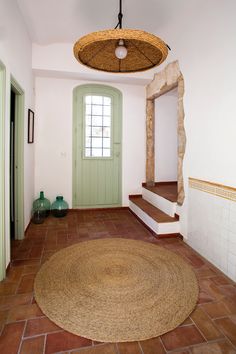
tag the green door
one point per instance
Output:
(97, 147)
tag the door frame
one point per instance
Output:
(2, 169)
(79, 91)
(19, 158)
(167, 79)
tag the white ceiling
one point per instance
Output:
(53, 21)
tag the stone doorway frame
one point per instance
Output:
(166, 80)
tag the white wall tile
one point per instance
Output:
(232, 243)
(232, 258)
(212, 229)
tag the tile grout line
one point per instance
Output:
(26, 319)
(43, 334)
(32, 298)
(163, 344)
(22, 336)
(17, 288)
(43, 250)
(3, 326)
(79, 349)
(117, 348)
(215, 325)
(225, 336)
(44, 344)
(213, 318)
(174, 351)
(233, 345)
(198, 329)
(197, 345)
(140, 347)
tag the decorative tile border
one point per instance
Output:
(213, 188)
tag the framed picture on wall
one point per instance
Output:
(30, 126)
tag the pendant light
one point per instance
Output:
(120, 50)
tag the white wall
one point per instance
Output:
(202, 42)
(53, 139)
(58, 60)
(16, 53)
(166, 142)
(201, 36)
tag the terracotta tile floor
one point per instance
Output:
(211, 328)
(167, 190)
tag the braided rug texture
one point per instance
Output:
(116, 290)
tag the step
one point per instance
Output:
(163, 196)
(167, 190)
(154, 218)
(159, 202)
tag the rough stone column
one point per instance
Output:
(150, 143)
(164, 81)
(181, 140)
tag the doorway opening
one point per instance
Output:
(16, 158)
(2, 171)
(166, 137)
(12, 164)
(97, 146)
(164, 81)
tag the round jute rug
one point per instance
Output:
(116, 290)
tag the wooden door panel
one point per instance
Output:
(97, 181)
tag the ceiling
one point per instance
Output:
(54, 21)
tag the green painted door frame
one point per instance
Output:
(96, 180)
(2, 171)
(19, 159)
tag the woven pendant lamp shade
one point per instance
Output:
(97, 50)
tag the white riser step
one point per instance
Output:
(159, 202)
(160, 228)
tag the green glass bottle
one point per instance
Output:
(42, 204)
(59, 207)
(39, 215)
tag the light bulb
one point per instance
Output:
(121, 51)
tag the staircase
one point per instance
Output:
(156, 208)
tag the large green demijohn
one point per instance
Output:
(41, 206)
(59, 207)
